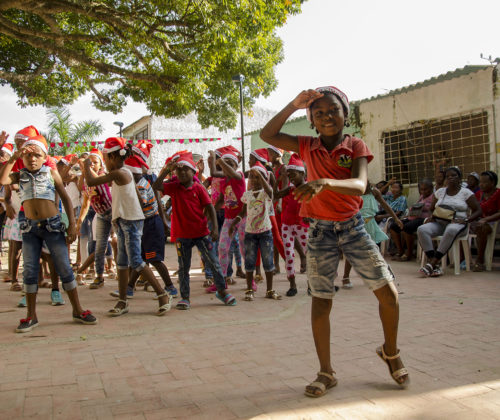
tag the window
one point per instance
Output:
(461, 141)
(142, 135)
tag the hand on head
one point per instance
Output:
(305, 98)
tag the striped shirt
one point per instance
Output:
(99, 196)
(149, 204)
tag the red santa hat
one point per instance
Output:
(26, 133)
(260, 167)
(186, 159)
(98, 153)
(143, 149)
(228, 153)
(175, 156)
(37, 141)
(276, 150)
(296, 163)
(135, 164)
(335, 91)
(8, 148)
(115, 143)
(261, 155)
(67, 159)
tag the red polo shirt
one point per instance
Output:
(188, 219)
(491, 205)
(336, 164)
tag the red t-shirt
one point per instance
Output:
(233, 189)
(291, 210)
(491, 205)
(188, 220)
(336, 164)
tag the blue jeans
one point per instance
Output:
(208, 253)
(129, 234)
(326, 239)
(254, 242)
(34, 233)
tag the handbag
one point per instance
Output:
(416, 210)
(444, 212)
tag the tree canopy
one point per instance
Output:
(176, 56)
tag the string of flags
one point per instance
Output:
(157, 141)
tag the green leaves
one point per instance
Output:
(176, 56)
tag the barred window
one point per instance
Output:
(463, 141)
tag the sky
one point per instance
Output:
(363, 47)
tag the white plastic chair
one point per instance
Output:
(490, 245)
(455, 251)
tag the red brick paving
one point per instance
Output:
(253, 360)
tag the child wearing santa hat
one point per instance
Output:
(233, 188)
(258, 201)
(128, 221)
(337, 166)
(41, 222)
(293, 225)
(190, 204)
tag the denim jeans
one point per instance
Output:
(129, 234)
(208, 253)
(34, 233)
(254, 242)
(103, 227)
(326, 239)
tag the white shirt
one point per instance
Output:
(125, 203)
(258, 211)
(457, 201)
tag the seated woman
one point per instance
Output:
(449, 220)
(489, 200)
(418, 213)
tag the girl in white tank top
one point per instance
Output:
(128, 221)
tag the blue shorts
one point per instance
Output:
(153, 239)
(326, 240)
(129, 233)
(254, 242)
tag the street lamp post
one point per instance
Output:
(239, 78)
(119, 124)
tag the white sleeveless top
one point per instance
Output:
(125, 203)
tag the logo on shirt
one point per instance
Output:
(345, 161)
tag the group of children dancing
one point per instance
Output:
(273, 211)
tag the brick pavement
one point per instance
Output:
(253, 360)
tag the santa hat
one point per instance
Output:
(276, 150)
(296, 163)
(143, 149)
(335, 91)
(37, 141)
(186, 159)
(175, 156)
(115, 143)
(260, 167)
(228, 153)
(135, 164)
(67, 159)
(26, 133)
(8, 148)
(98, 153)
(261, 155)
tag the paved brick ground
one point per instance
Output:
(253, 360)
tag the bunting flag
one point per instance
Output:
(157, 141)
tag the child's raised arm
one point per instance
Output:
(265, 185)
(271, 132)
(228, 170)
(6, 177)
(158, 184)
(92, 179)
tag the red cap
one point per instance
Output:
(135, 164)
(67, 159)
(261, 155)
(276, 149)
(26, 133)
(296, 163)
(260, 167)
(98, 153)
(115, 143)
(186, 159)
(37, 141)
(175, 156)
(8, 148)
(143, 148)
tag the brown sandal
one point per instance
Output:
(15, 287)
(272, 294)
(398, 373)
(321, 386)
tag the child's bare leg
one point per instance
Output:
(269, 280)
(75, 301)
(163, 272)
(87, 263)
(389, 315)
(347, 271)
(31, 304)
(320, 322)
(149, 277)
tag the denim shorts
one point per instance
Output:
(129, 234)
(254, 242)
(326, 240)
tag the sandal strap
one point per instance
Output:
(123, 301)
(399, 373)
(327, 375)
(163, 294)
(389, 357)
(319, 385)
(248, 291)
